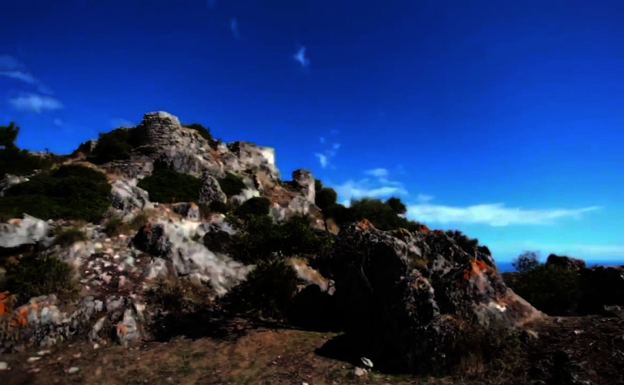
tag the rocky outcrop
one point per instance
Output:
(10, 180)
(304, 182)
(565, 262)
(27, 231)
(405, 293)
(601, 286)
(127, 196)
(211, 190)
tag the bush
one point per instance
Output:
(219, 207)
(255, 206)
(67, 237)
(325, 197)
(115, 226)
(553, 290)
(261, 239)
(15, 161)
(528, 260)
(231, 184)
(111, 146)
(469, 245)
(339, 213)
(169, 186)
(69, 192)
(396, 205)
(380, 214)
(204, 132)
(267, 292)
(33, 277)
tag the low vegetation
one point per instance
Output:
(203, 131)
(554, 290)
(68, 236)
(169, 186)
(232, 184)
(15, 161)
(115, 226)
(35, 276)
(113, 145)
(68, 192)
(256, 206)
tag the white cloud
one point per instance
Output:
(377, 172)
(58, 122)
(35, 103)
(336, 146)
(323, 160)
(301, 58)
(363, 189)
(234, 28)
(12, 68)
(321, 139)
(120, 123)
(495, 215)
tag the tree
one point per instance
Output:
(396, 205)
(8, 135)
(526, 261)
(325, 197)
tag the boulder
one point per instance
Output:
(406, 293)
(210, 190)
(27, 231)
(565, 262)
(127, 196)
(303, 181)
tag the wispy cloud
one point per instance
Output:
(366, 189)
(234, 28)
(323, 159)
(491, 214)
(58, 122)
(35, 103)
(12, 68)
(377, 172)
(120, 122)
(300, 57)
(321, 139)
(336, 146)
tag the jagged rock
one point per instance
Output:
(27, 231)
(410, 309)
(304, 182)
(127, 196)
(187, 210)
(127, 329)
(566, 262)
(152, 240)
(601, 286)
(211, 190)
(10, 180)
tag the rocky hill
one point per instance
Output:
(160, 231)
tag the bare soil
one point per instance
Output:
(253, 354)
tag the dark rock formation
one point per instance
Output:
(564, 261)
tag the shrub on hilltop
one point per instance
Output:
(111, 146)
(169, 186)
(554, 290)
(69, 192)
(203, 131)
(381, 214)
(15, 161)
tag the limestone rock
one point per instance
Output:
(304, 182)
(27, 231)
(211, 190)
(566, 262)
(127, 196)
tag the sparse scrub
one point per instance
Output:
(267, 292)
(15, 161)
(68, 192)
(34, 276)
(255, 206)
(169, 186)
(139, 220)
(219, 207)
(115, 226)
(111, 146)
(232, 184)
(203, 131)
(69, 236)
(325, 196)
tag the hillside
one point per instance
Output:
(160, 254)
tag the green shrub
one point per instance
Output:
(232, 184)
(34, 276)
(67, 237)
(169, 186)
(111, 146)
(139, 220)
(325, 197)
(69, 192)
(469, 245)
(219, 207)
(260, 238)
(15, 161)
(114, 227)
(255, 206)
(553, 290)
(379, 213)
(528, 260)
(396, 205)
(267, 292)
(204, 132)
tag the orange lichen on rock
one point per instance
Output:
(402, 234)
(423, 229)
(365, 224)
(438, 232)
(6, 300)
(476, 267)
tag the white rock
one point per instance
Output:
(73, 369)
(4, 366)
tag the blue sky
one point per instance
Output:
(503, 119)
